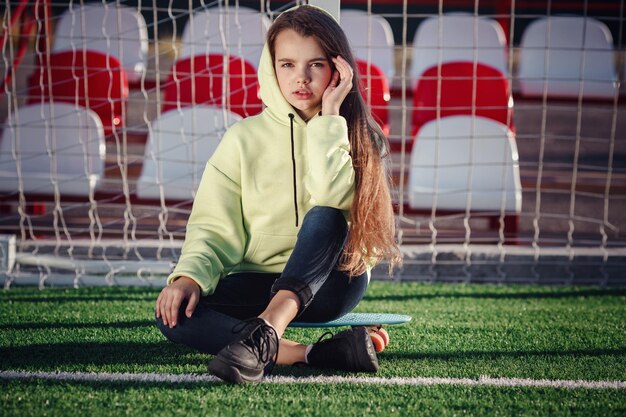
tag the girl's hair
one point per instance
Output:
(372, 231)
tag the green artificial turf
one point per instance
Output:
(459, 331)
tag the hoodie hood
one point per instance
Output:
(270, 90)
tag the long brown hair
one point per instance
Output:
(372, 230)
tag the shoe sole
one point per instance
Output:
(366, 358)
(230, 373)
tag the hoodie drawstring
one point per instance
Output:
(293, 164)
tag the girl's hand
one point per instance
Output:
(171, 298)
(338, 88)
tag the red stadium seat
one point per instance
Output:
(373, 78)
(462, 88)
(198, 80)
(89, 79)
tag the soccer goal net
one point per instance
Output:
(506, 123)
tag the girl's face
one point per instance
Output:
(302, 70)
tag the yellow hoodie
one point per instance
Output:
(267, 173)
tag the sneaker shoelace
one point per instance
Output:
(259, 342)
(321, 339)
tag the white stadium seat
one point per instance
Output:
(461, 162)
(458, 37)
(48, 147)
(180, 143)
(238, 31)
(371, 39)
(567, 56)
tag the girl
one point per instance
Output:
(293, 209)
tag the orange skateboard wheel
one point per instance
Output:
(383, 333)
(377, 340)
(378, 329)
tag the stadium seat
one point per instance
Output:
(231, 30)
(57, 147)
(371, 39)
(567, 56)
(375, 91)
(465, 162)
(180, 143)
(462, 88)
(199, 80)
(116, 30)
(85, 78)
(458, 37)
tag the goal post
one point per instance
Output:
(506, 149)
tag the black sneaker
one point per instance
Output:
(250, 356)
(350, 350)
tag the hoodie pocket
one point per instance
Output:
(267, 249)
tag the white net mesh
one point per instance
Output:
(506, 122)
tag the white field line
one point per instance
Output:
(203, 378)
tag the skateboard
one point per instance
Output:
(379, 336)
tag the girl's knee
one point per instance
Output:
(339, 296)
(327, 213)
(325, 219)
(170, 333)
(329, 312)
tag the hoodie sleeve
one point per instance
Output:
(330, 176)
(215, 238)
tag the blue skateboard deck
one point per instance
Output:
(358, 319)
